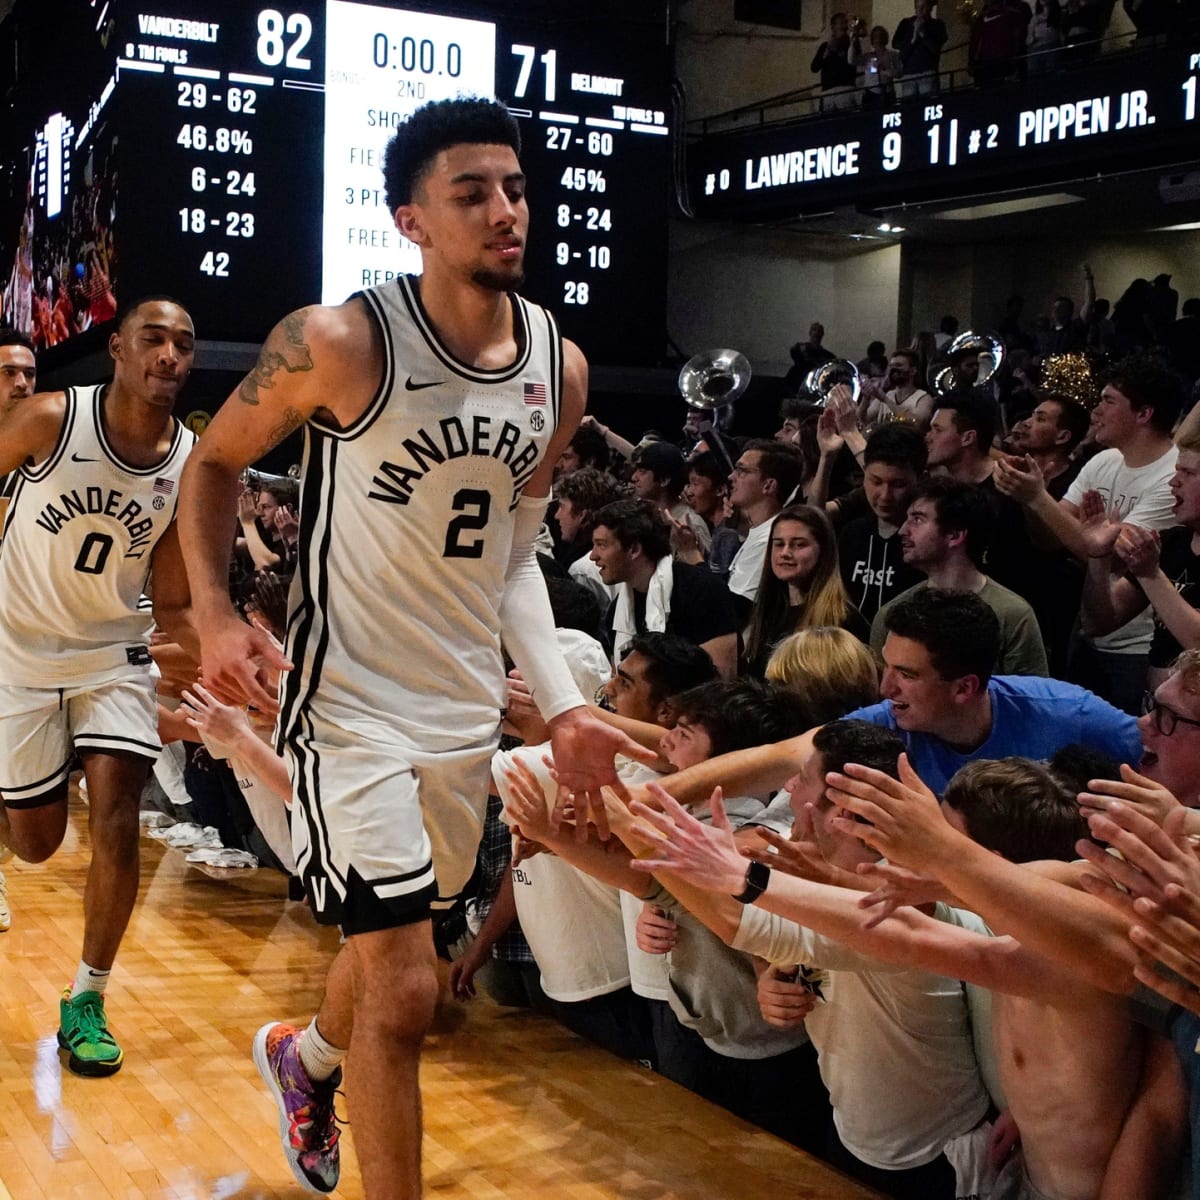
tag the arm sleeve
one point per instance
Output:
(785, 943)
(526, 622)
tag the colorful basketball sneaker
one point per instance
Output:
(5, 911)
(307, 1128)
(83, 1030)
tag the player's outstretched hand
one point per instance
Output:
(584, 749)
(236, 661)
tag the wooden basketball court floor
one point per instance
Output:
(515, 1106)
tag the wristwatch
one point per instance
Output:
(758, 875)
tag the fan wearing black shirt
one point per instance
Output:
(631, 545)
(873, 567)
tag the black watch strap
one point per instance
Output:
(757, 877)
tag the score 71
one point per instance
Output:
(549, 61)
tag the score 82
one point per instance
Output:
(272, 26)
(891, 149)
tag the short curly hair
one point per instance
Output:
(588, 490)
(435, 127)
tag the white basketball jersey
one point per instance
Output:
(78, 541)
(406, 524)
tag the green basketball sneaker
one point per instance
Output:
(83, 1030)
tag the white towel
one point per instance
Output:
(658, 607)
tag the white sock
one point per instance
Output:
(88, 979)
(319, 1057)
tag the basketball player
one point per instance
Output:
(434, 410)
(18, 380)
(92, 517)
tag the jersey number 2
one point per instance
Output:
(475, 506)
(93, 553)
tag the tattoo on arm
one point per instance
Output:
(291, 420)
(288, 352)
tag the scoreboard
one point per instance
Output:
(250, 141)
(1123, 112)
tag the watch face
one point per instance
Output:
(757, 876)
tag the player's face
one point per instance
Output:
(1185, 488)
(887, 489)
(153, 351)
(614, 561)
(469, 217)
(794, 553)
(18, 374)
(921, 698)
(684, 744)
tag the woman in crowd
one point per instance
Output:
(801, 586)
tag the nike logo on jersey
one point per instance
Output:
(409, 386)
(78, 458)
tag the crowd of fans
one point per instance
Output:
(63, 271)
(998, 580)
(987, 596)
(866, 67)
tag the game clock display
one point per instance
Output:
(1120, 113)
(259, 136)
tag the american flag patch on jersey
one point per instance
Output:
(163, 487)
(535, 393)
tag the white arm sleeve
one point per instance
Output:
(526, 622)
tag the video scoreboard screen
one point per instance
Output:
(1122, 112)
(248, 177)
